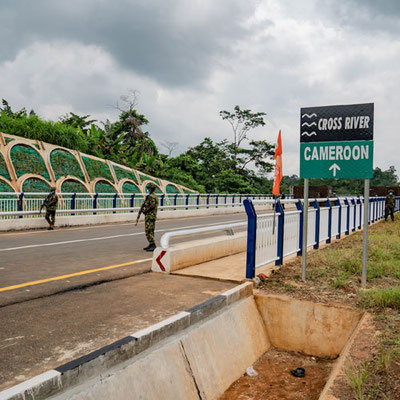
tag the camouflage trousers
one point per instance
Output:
(149, 226)
(389, 211)
(50, 217)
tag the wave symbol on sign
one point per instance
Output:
(307, 124)
(309, 115)
(309, 134)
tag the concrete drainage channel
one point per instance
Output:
(200, 353)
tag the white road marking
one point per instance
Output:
(107, 237)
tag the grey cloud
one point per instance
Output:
(173, 42)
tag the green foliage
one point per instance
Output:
(70, 186)
(210, 168)
(123, 173)
(64, 164)
(242, 121)
(77, 121)
(26, 160)
(171, 189)
(32, 127)
(129, 187)
(3, 168)
(35, 185)
(144, 178)
(97, 169)
(104, 187)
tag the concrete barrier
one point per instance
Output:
(197, 251)
(196, 354)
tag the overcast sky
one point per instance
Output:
(189, 59)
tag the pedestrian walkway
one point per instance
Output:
(230, 268)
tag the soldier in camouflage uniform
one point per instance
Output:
(149, 209)
(50, 203)
(389, 205)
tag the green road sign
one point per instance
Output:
(337, 141)
(352, 159)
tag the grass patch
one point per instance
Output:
(381, 298)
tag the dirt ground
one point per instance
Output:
(275, 382)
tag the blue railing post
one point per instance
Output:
(346, 202)
(226, 198)
(73, 202)
(175, 200)
(198, 200)
(216, 200)
(300, 208)
(317, 223)
(162, 200)
(329, 220)
(355, 215)
(187, 201)
(20, 203)
(240, 199)
(251, 239)
(233, 200)
(340, 219)
(115, 202)
(208, 201)
(132, 201)
(280, 238)
(96, 195)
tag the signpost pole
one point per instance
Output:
(365, 233)
(305, 230)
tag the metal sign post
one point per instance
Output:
(305, 232)
(365, 233)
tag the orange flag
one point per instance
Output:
(278, 166)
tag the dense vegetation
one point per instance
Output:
(241, 165)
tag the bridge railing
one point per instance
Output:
(19, 205)
(270, 241)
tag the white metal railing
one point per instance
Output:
(21, 204)
(327, 218)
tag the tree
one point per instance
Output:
(77, 121)
(241, 121)
(170, 146)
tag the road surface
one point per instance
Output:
(35, 264)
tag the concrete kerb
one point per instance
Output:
(197, 251)
(75, 372)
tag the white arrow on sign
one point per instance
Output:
(335, 168)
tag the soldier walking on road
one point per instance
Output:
(149, 209)
(389, 205)
(50, 203)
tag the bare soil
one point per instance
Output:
(275, 382)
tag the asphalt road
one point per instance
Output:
(29, 257)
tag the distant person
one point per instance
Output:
(389, 205)
(149, 209)
(50, 202)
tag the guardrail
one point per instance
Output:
(28, 204)
(327, 218)
(165, 238)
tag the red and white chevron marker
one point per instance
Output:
(158, 260)
(161, 260)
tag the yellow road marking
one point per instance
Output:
(57, 278)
